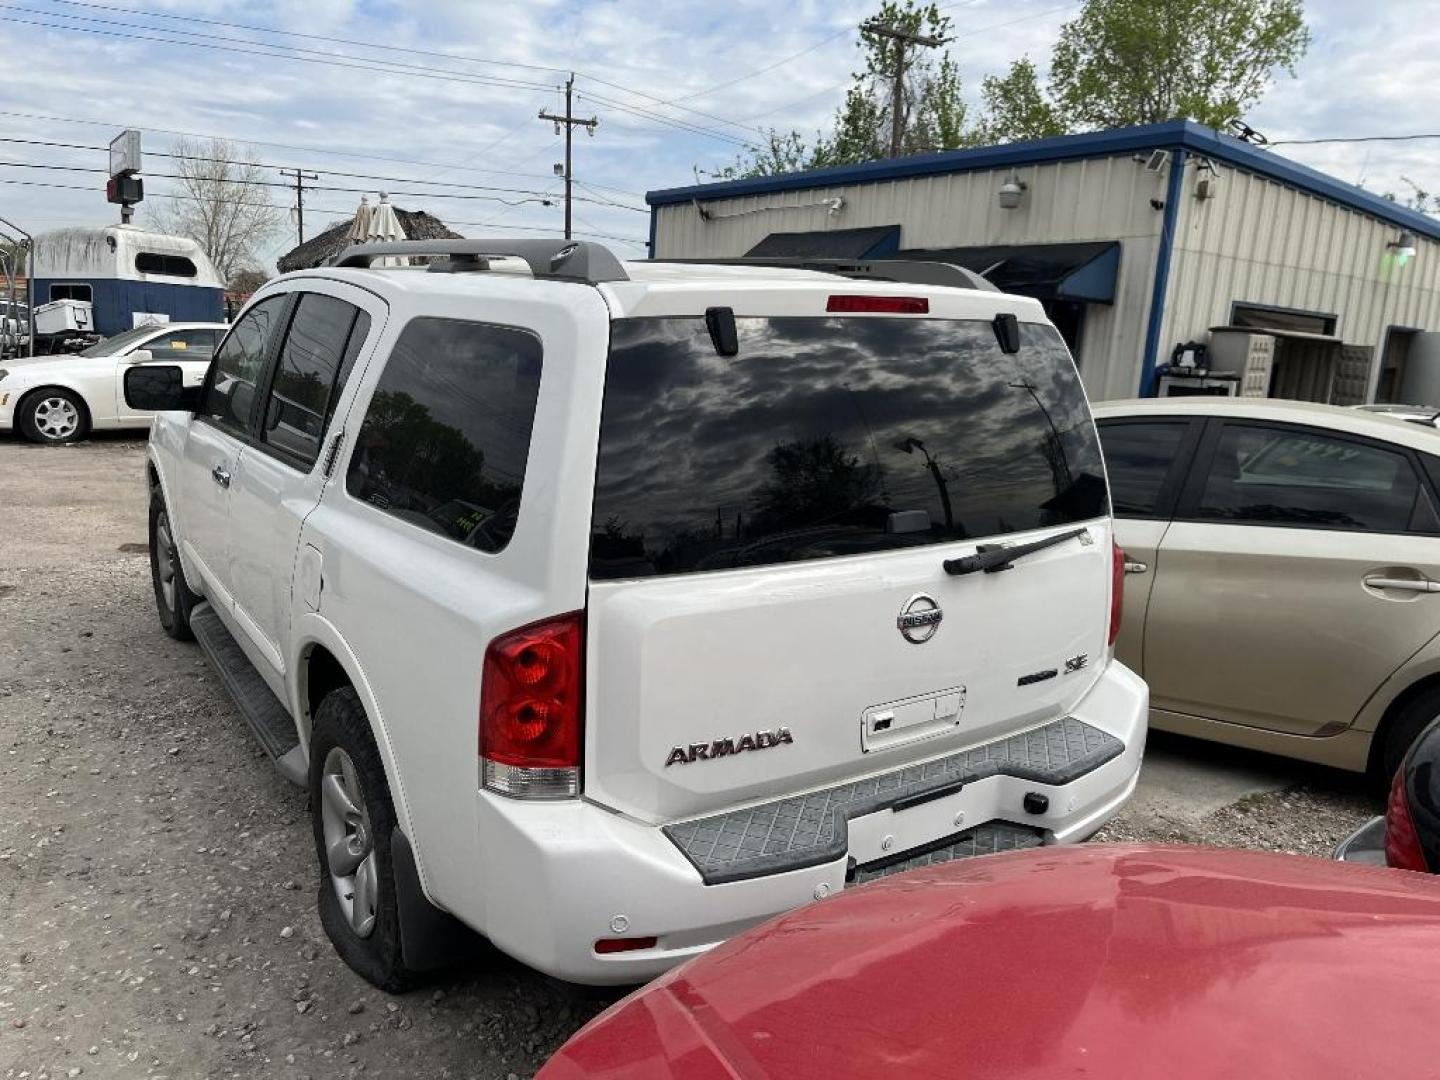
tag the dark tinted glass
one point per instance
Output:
(183, 345)
(239, 363)
(70, 291)
(1280, 476)
(828, 437)
(151, 262)
(447, 434)
(305, 377)
(1138, 458)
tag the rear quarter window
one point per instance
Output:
(827, 437)
(446, 436)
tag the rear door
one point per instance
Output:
(285, 466)
(215, 444)
(1146, 461)
(1294, 579)
(769, 609)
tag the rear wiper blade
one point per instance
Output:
(992, 558)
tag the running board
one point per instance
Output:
(262, 710)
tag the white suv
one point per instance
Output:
(607, 609)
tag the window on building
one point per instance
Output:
(1139, 458)
(183, 345)
(1292, 476)
(153, 262)
(71, 290)
(229, 398)
(1261, 317)
(307, 375)
(446, 438)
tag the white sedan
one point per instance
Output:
(58, 399)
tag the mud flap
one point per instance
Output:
(428, 936)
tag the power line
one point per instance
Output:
(571, 122)
(452, 57)
(1353, 139)
(358, 155)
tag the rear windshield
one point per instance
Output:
(832, 436)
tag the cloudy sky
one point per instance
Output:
(451, 126)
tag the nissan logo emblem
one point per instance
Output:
(919, 619)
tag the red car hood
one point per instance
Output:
(1094, 961)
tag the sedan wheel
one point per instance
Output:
(349, 842)
(56, 418)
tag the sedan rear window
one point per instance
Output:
(829, 437)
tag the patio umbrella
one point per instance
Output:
(385, 226)
(361, 225)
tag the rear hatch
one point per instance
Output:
(769, 610)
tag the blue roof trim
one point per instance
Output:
(1172, 135)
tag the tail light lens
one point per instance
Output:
(531, 704)
(1402, 842)
(1117, 589)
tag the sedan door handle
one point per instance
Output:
(1410, 584)
(1136, 567)
(220, 476)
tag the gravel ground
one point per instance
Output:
(157, 875)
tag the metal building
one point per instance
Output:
(1138, 241)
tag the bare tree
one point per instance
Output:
(223, 204)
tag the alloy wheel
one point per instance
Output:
(56, 418)
(165, 559)
(349, 842)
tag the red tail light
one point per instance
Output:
(891, 305)
(531, 704)
(1117, 589)
(1402, 842)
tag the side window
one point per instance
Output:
(1292, 476)
(447, 435)
(70, 290)
(182, 345)
(239, 363)
(152, 262)
(1139, 457)
(306, 380)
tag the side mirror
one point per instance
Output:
(140, 356)
(159, 388)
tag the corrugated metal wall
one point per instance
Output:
(1094, 199)
(1260, 242)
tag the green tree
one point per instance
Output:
(933, 112)
(1015, 108)
(1126, 62)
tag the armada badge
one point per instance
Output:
(713, 751)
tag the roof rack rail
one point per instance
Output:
(905, 271)
(561, 260)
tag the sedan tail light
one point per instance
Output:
(1402, 842)
(1117, 589)
(531, 705)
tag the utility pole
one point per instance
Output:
(300, 178)
(902, 39)
(571, 122)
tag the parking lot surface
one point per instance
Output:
(157, 876)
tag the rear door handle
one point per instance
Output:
(220, 476)
(1136, 567)
(1410, 584)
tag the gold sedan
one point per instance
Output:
(1282, 586)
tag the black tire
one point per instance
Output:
(340, 722)
(174, 611)
(33, 416)
(1408, 722)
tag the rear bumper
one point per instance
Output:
(560, 876)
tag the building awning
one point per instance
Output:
(1270, 331)
(1081, 271)
(875, 242)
